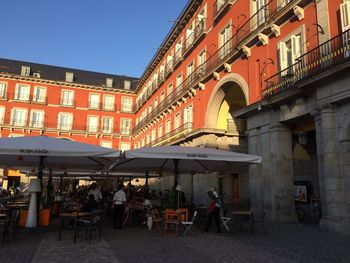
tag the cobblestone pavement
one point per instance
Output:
(282, 243)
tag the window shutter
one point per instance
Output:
(296, 47)
(345, 16)
(282, 50)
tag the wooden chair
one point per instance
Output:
(172, 222)
(156, 220)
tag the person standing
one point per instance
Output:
(96, 192)
(119, 200)
(214, 210)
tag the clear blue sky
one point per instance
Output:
(109, 36)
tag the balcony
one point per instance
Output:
(178, 57)
(317, 60)
(108, 106)
(169, 67)
(175, 133)
(39, 99)
(161, 78)
(67, 103)
(221, 7)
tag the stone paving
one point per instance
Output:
(282, 243)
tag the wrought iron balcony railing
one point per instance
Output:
(326, 55)
(248, 29)
(220, 6)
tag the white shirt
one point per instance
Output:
(97, 194)
(119, 197)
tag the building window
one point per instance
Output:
(19, 117)
(124, 146)
(2, 115)
(190, 76)
(201, 62)
(127, 84)
(224, 41)
(108, 102)
(282, 3)
(170, 89)
(25, 71)
(178, 81)
(168, 126)
(92, 123)
(126, 104)
(188, 115)
(3, 90)
(94, 101)
(125, 125)
(148, 138)
(37, 118)
(65, 121)
(153, 135)
(67, 98)
(189, 36)
(22, 92)
(143, 142)
(69, 76)
(149, 108)
(109, 82)
(177, 121)
(160, 131)
(107, 144)
(39, 94)
(259, 8)
(289, 50)
(107, 125)
(162, 96)
(155, 104)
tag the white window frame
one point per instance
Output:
(225, 42)
(109, 106)
(288, 55)
(67, 126)
(19, 94)
(124, 146)
(160, 130)
(109, 82)
(127, 84)
(153, 135)
(106, 144)
(37, 123)
(94, 101)
(19, 122)
(125, 126)
(107, 124)
(188, 114)
(92, 126)
(69, 77)
(167, 126)
(170, 89)
(126, 104)
(25, 71)
(177, 120)
(42, 95)
(2, 114)
(68, 102)
(3, 90)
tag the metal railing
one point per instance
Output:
(249, 28)
(335, 50)
(219, 6)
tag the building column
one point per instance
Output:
(332, 176)
(281, 173)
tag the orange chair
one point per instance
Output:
(172, 222)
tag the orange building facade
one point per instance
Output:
(267, 77)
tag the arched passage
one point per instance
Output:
(229, 95)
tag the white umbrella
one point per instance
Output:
(53, 153)
(181, 159)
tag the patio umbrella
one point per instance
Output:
(53, 153)
(179, 159)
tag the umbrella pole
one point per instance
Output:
(40, 177)
(176, 172)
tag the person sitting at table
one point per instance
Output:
(214, 210)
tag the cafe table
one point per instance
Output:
(243, 218)
(70, 216)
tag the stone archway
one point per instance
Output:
(229, 95)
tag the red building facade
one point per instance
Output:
(267, 77)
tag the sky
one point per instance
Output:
(108, 36)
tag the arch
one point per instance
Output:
(218, 96)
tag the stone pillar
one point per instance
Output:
(331, 174)
(281, 173)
